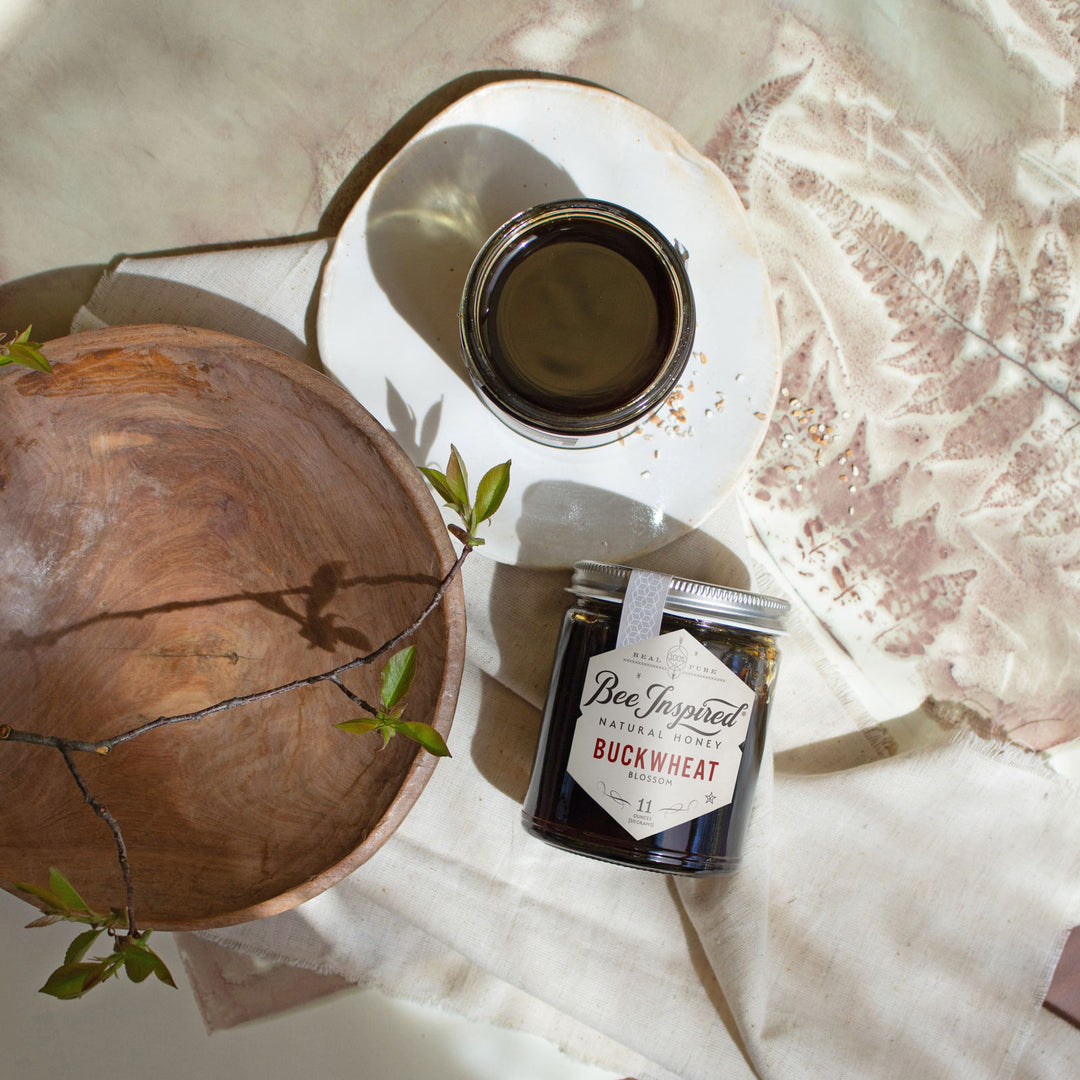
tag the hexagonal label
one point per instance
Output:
(660, 736)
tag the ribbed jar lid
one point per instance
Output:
(693, 599)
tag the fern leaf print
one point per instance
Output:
(922, 466)
(735, 141)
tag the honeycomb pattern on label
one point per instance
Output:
(643, 607)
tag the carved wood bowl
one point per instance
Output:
(186, 517)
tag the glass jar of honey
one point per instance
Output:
(654, 726)
(577, 320)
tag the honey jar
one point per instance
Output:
(654, 725)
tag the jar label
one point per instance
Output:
(661, 731)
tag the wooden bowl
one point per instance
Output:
(185, 517)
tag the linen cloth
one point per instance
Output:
(905, 890)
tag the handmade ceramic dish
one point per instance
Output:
(186, 517)
(387, 322)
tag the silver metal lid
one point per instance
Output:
(693, 599)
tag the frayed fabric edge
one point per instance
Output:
(431, 999)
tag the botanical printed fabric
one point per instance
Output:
(919, 482)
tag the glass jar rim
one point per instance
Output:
(529, 417)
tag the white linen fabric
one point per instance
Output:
(904, 894)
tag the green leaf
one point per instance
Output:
(457, 478)
(384, 725)
(24, 351)
(438, 481)
(53, 902)
(28, 356)
(161, 971)
(425, 735)
(73, 980)
(358, 727)
(138, 961)
(78, 948)
(491, 491)
(66, 891)
(397, 676)
(106, 969)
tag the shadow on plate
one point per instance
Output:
(408, 126)
(415, 435)
(433, 209)
(562, 521)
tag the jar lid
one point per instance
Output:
(694, 599)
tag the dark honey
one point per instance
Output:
(559, 810)
(579, 318)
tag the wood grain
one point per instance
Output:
(187, 516)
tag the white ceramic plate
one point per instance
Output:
(388, 331)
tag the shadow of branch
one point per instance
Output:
(308, 606)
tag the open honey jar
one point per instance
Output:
(577, 320)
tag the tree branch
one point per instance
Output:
(103, 746)
(356, 699)
(68, 747)
(121, 848)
